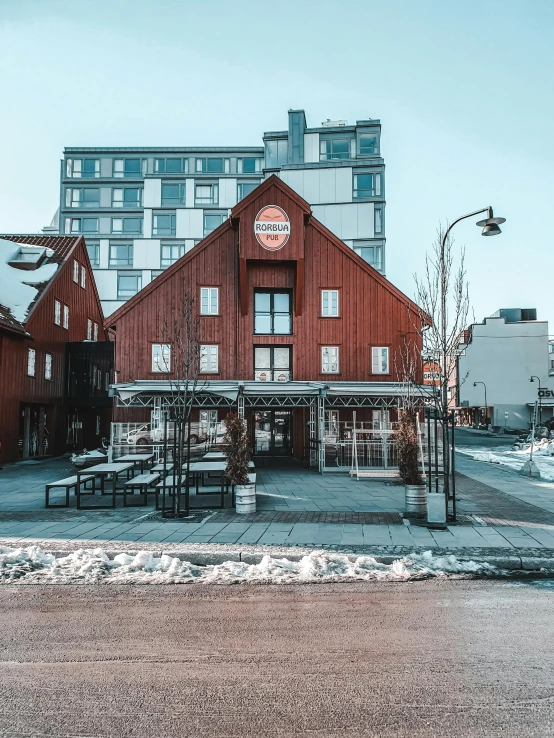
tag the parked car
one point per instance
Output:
(145, 436)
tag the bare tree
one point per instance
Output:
(442, 293)
(181, 359)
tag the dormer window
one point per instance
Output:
(28, 258)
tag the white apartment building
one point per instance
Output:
(141, 209)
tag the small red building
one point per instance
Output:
(295, 328)
(48, 299)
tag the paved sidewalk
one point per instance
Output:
(518, 511)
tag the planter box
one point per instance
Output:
(436, 510)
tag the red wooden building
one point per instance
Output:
(294, 327)
(48, 299)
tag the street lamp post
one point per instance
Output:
(486, 406)
(490, 226)
(533, 377)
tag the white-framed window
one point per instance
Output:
(164, 224)
(170, 253)
(95, 331)
(206, 194)
(31, 356)
(249, 165)
(378, 221)
(329, 359)
(89, 329)
(75, 271)
(82, 197)
(209, 300)
(81, 225)
(133, 168)
(161, 357)
(127, 225)
(209, 359)
(83, 168)
(330, 303)
(213, 165)
(83, 277)
(127, 197)
(332, 423)
(370, 251)
(379, 360)
(57, 312)
(367, 184)
(171, 166)
(66, 317)
(48, 366)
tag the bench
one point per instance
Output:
(67, 484)
(159, 467)
(141, 482)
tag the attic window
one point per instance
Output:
(27, 258)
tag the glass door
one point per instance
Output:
(272, 432)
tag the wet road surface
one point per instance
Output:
(436, 658)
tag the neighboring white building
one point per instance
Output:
(500, 355)
(141, 208)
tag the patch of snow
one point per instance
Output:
(86, 566)
(515, 458)
(17, 286)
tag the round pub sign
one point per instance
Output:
(272, 227)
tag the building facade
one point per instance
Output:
(48, 299)
(288, 314)
(498, 358)
(141, 209)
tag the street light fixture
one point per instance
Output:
(486, 406)
(490, 226)
(533, 377)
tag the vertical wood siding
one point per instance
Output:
(46, 337)
(370, 312)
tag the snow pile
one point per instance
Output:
(515, 458)
(86, 566)
(17, 290)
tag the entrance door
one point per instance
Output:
(272, 432)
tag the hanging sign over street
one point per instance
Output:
(272, 227)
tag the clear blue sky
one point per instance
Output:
(463, 89)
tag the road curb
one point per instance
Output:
(210, 555)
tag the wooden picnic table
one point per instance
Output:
(102, 470)
(136, 459)
(172, 484)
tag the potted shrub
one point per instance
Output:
(238, 455)
(408, 463)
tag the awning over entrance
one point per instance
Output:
(214, 393)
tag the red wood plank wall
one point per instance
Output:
(371, 312)
(16, 387)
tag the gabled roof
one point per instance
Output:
(21, 290)
(272, 181)
(377, 276)
(167, 274)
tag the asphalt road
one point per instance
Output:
(451, 658)
(466, 438)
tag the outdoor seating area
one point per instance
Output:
(134, 477)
